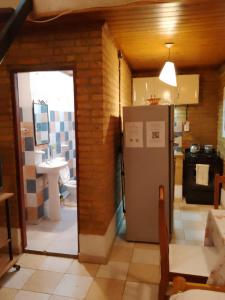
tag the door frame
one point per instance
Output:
(18, 145)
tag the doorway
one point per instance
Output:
(47, 156)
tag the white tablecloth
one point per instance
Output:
(215, 236)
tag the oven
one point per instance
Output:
(195, 193)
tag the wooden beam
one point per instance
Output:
(5, 13)
(12, 26)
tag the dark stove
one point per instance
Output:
(195, 193)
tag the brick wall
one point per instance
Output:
(202, 116)
(90, 51)
(221, 140)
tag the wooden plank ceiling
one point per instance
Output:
(197, 29)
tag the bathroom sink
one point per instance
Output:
(52, 166)
(51, 169)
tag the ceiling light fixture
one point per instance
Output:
(168, 73)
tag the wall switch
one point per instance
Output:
(187, 126)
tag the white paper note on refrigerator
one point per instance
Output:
(134, 134)
(155, 134)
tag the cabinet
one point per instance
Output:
(147, 87)
(6, 255)
(186, 92)
(187, 89)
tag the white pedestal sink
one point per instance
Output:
(52, 168)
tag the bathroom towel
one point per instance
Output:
(202, 174)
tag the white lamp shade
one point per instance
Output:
(168, 74)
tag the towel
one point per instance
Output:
(202, 174)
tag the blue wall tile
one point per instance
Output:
(62, 126)
(58, 148)
(66, 135)
(57, 137)
(52, 116)
(67, 155)
(40, 211)
(31, 186)
(45, 192)
(29, 144)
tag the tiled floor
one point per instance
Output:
(189, 223)
(56, 237)
(132, 273)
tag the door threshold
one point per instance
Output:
(75, 256)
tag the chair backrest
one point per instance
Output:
(218, 181)
(164, 246)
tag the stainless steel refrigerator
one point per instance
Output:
(148, 163)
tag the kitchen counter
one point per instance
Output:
(178, 154)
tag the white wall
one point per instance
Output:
(53, 87)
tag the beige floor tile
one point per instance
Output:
(144, 273)
(106, 289)
(146, 256)
(193, 225)
(25, 295)
(178, 224)
(73, 286)
(140, 291)
(16, 280)
(114, 269)
(56, 264)
(178, 234)
(31, 261)
(120, 253)
(195, 235)
(43, 281)
(121, 241)
(146, 246)
(83, 269)
(8, 294)
(191, 215)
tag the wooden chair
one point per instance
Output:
(180, 283)
(218, 181)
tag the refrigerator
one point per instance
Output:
(148, 163)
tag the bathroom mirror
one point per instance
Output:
(41, 123)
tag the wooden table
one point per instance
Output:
(215, 236)
(6, 259)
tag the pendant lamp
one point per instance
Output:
(168, 73)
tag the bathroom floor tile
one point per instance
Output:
(15, 279)
(73, 286)
(106, 289)
(55, 264)
(8, 294)
(140, 291)
(114, 269)
(43, 281)
(83, 269)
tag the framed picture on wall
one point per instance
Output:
(223, 121)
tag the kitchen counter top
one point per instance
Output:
(178, 154)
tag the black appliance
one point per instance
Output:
(195, 193)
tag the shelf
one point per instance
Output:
(7, 266)
(4, 243)
(5, 196)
